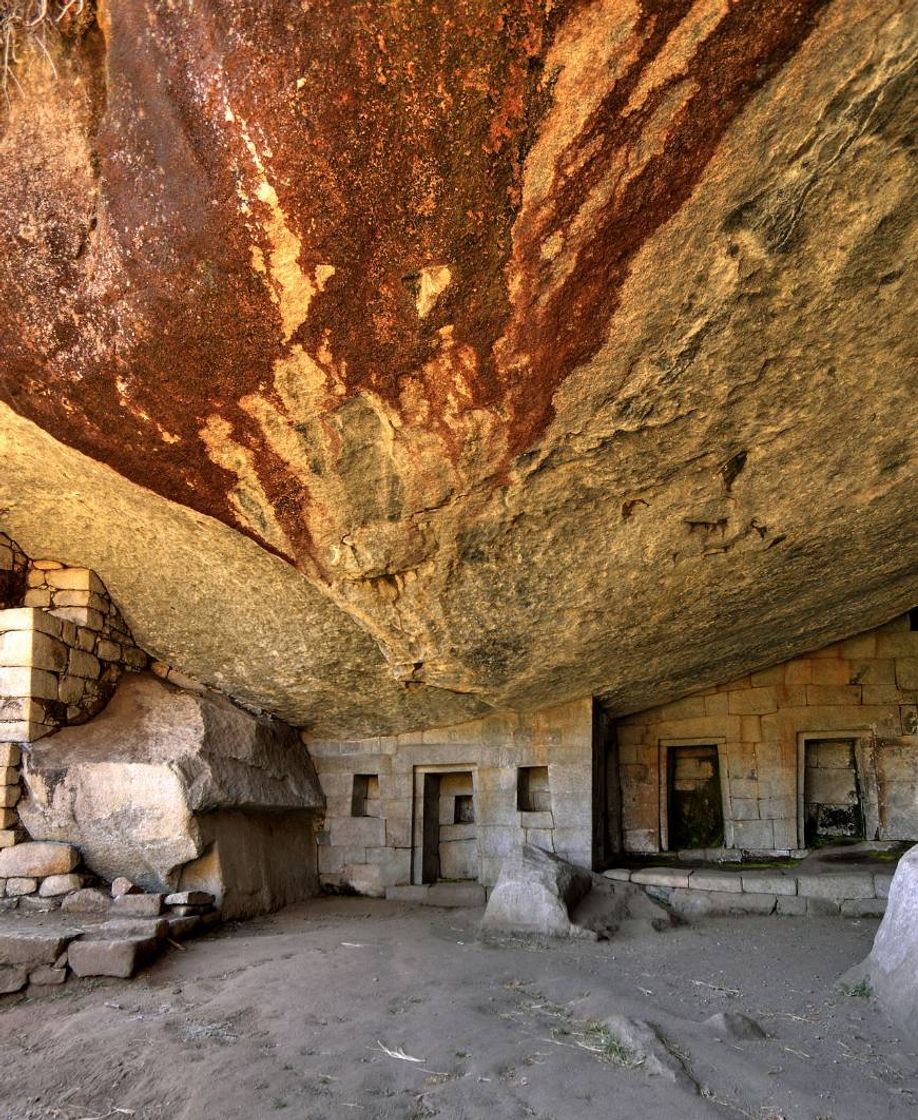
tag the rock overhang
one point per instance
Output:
(620, 415)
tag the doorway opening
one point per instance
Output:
(449, 831)
(695, 808)
(832, 805)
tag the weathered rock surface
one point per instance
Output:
(142, 787)
(892, 967)
(535, 893)
(539, 893)
(583, 389)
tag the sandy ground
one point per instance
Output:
(287, 1016)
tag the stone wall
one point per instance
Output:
(13, 569)
(383, 847)
(63, 647)
(863, 690)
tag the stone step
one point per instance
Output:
(440, 894)
(109, 957)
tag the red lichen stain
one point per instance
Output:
(394, 136)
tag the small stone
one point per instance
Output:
(89, 900)
(137, 905)
(190, 898)
(46, 976)
(733, 1024)
(7, 837)
(19, 885)
(121, 886)
(12, 979)
(59, 884)
(35, 904)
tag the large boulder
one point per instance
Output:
(892, 967)
(539, 893)
(143, 789)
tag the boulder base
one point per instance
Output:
(892, 967)
(163, 779)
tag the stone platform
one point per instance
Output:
(852, 881)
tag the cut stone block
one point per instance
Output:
(182, 927)
(39, 858)
(822, 907)
(761, 882)
(660, 877)
(9, 797)
(863, 907)
(10, 754)
(119, 958)
(89, 900)
(850, 884)
(790, 906)
(619, 874)
(714, 881)
(137, 905)
(122, 928)
(32, 947)
(59, 884)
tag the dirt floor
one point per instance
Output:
(304, 1015)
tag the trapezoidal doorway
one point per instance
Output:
(449, 833)
(694, 802)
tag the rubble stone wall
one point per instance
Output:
(864, 689)
(369, 853)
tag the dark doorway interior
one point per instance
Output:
(695, 804)
(832, 807)
(607, 792)
(450, 833)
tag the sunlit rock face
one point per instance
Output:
(392, 362)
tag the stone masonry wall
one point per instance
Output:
(62, 652)
(372, 852)
(865, 689)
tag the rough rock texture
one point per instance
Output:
(892, 967)
(139, 788)
(535, 893)
(470, 355)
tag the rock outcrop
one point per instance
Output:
(165, 786)
(390, 365)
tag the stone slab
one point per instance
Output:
(32, 947)
(724, 881)
(119, 958)
(761, 882)
(137, 905)
(408, 893)
(863, 907)
(661, 877)
(849, 884)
